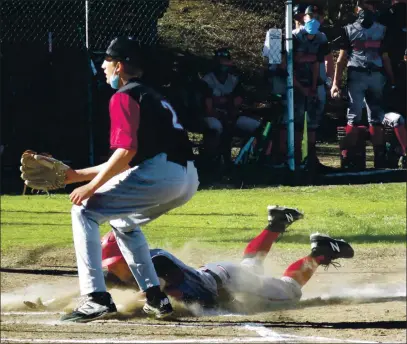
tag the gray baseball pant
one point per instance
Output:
(365, 86)
(240, 278)
(128, 200)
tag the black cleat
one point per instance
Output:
(279, 218)
(92, 307)
(159, 306)
(330, 249)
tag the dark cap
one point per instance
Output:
(312, 9)
(125, 49)
(223, 53)
(299, 9)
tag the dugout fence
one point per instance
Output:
(54, 97)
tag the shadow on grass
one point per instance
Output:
(36, 212)
(15, 223)
(213, 214)
(304, 239)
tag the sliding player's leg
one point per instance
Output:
(323, 251)
(279, 218)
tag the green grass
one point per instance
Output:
(368, 214)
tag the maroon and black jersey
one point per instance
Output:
(141, 119)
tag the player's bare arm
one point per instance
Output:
(329, 66)
(118, 162)
(340, 66)
(209, 107)
(86, 174)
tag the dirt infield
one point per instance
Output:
(365, 300)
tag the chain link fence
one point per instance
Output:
(45, 63)
(69, 23)
(196, 26)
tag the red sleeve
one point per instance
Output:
(124, 121)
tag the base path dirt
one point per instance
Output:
(364, 300)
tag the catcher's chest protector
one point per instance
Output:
(365, 45)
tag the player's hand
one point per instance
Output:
(335, 92)
(81, 193)
(305, 91)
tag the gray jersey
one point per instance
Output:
(365, 45)
(306, 53)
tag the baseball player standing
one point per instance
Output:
(149, 173)
(310, 47)
(395, 19)
(364, 47)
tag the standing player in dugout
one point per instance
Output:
(149, 173)
(395, 20)
(364, 48)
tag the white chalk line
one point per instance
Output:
(265, 334)
(271, 335)
(30, 313)
(112, 341)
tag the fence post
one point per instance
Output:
(90, 88)
(290, 90)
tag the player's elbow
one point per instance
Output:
(126, 154)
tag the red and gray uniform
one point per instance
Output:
(366, 78)
(220, 92)
(213, 283)
(306, 54)
(162, 177)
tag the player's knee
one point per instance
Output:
(393, 119)
(214, 125)
(77, 211)
(293, 290)
(247, 124)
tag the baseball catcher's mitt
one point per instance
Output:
(42, 172)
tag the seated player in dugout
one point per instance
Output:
(216, 284)
(364, 47)
(223, 98)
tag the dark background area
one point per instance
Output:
(47, 95)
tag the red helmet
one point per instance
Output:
(111, 253)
